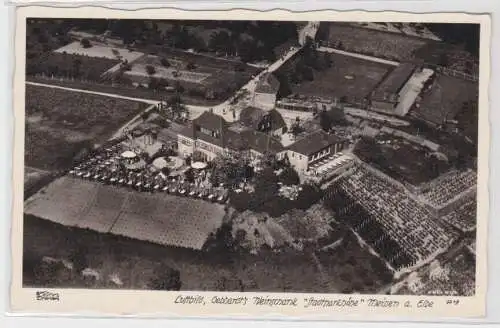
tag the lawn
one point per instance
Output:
(348, 77)
(135, 262)
(392, 46)
(60, 123)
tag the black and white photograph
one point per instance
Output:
(319, 157)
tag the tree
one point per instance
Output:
(230, 170)
(150, 69)
(308, 73)
(296, 129)
(165, 171)
(145, 115)
(178, 87)
(189, 175)
(325, 120)
(85, 43)
(337, 116)
(162, 83)
(221, 41)
(77, 64)
(166, 278)
(240, 67)
(176, 106)
(266, 184)
(153, 83)
(284, 89)
(165, 62)
(309, 195)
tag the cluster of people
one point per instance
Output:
(402, 217)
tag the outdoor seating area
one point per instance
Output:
(328, 167)
(402, 217)
(121, 167)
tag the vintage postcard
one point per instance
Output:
(316, 165)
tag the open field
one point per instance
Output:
(159, 218)
(376, 43)
(135, 262)
(348, 77)
(60, 124)
(100, 51)
(70, 66)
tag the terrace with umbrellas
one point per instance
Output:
(141, 162)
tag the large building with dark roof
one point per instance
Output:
(210, 135)
(263, 121)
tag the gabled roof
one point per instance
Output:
(313, 143)
(268, 83)
(262, 142)
(208, 121)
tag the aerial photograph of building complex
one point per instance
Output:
(251, 156)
